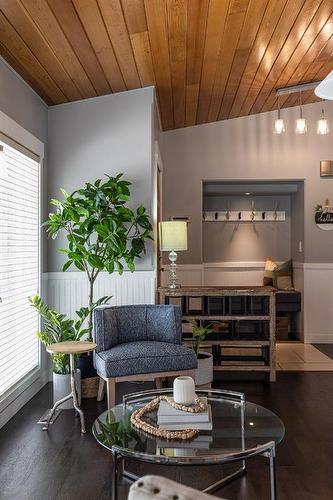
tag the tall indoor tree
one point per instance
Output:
(103, 232)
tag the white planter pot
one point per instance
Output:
(204, 372)
(62, 387)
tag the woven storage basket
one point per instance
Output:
(89, 387)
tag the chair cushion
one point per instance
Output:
(134, 358)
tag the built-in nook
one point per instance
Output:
(245, 222)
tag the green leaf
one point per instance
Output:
(102, 230)
(67, 265)
(95, 261)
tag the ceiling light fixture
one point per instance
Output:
(301, 125)
(322, 125)
(278, 125)
(324, 89)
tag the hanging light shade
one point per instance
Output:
(322, 125)
(325, 88)
(278, 124)
(301, 125)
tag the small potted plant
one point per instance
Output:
(204, 372)
(58, 328)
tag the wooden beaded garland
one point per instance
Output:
(136, 418)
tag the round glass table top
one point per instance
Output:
(238, 427)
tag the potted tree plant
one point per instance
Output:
(103, 234)
(58, 328)
(204, 372)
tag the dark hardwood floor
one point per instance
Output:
(62, 464)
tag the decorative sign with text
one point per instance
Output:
(324, 216)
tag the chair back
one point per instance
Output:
(115, 325)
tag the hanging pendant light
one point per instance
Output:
(278, 125)
(322, 125)
(301, 125)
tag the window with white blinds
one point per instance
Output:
(19, 265)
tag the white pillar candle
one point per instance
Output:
(184, 390)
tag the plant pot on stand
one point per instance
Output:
(204, 372)
(62, 387)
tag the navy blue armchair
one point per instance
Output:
(137, 343)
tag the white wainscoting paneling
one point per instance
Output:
(67, 292)
(318, 297)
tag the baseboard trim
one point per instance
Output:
(22, 398)
(319, 338)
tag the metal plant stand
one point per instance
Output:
(71, 348)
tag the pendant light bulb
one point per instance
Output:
(322, 125)
(301, 125)
(278, 124)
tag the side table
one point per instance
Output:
(71, 347)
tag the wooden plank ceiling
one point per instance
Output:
(209, 59)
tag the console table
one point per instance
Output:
(248, 314)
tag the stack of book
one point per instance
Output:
(171, 419)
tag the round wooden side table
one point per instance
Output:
(71, 347)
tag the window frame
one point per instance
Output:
(14, 398)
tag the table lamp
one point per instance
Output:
(173, 237)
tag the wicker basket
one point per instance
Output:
(89, 387)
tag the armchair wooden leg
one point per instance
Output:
(158, 383)
(111, 392)
(101, 387)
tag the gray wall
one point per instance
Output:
(20, 102)
(109, 134)
(245, 149)
(246, 241)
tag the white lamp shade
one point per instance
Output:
(325, 88)
(173, 235)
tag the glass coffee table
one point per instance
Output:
(241, 430)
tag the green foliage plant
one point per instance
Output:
(199, 334)
(103, 233)
(58, 328)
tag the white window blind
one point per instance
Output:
(19, 265)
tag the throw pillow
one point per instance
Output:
(270, 265)
(283, 276)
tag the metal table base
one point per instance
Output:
(267, 451)
(72, 395)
